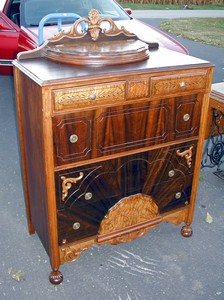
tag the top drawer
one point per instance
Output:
(100, 94)
(89, 96)
(178, 84)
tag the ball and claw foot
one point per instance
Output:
(56, 277)
(186, 231)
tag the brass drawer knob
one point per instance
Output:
(76, 226)
(178, 195)
(73, 138)
(92, 97)
(182, 84)
(186, 117)
(88, 196)
(171, 173)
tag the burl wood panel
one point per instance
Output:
(129, 219)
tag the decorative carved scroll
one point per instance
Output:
(176, 217)
(130, 218)
(187, 154)
(94, 28)
(73, 251)
(93, 44)
(67, 184)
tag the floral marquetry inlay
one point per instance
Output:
(89, 96)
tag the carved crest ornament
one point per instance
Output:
(93, 41)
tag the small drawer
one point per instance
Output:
(178, 84)
(89, 96)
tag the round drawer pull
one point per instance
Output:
(92, 97)
(88, 196)
(178, 195)
(171, 173)
(186, 117)
(76, 226)
(182, 84)
(73, 138)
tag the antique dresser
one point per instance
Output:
(109, 150)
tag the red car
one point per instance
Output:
(19, 21)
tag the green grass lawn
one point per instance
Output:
(206, 30)
(139, 6)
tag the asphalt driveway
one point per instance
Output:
(197, 49)
(161, 265)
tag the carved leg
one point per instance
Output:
(56, 277)
(186, 231)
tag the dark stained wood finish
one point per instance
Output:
(120, 128)
(146, 173)
(93, 137)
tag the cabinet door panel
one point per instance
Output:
(162, 174)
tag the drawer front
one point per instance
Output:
(89, 96)
(72, 137)
(187, 116)
(95, 133)
(85, 194)
(178, 84)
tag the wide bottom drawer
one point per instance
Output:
(86, 194)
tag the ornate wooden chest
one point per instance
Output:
(108, 152)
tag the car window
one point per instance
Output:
(2, 3)
(32, 11)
